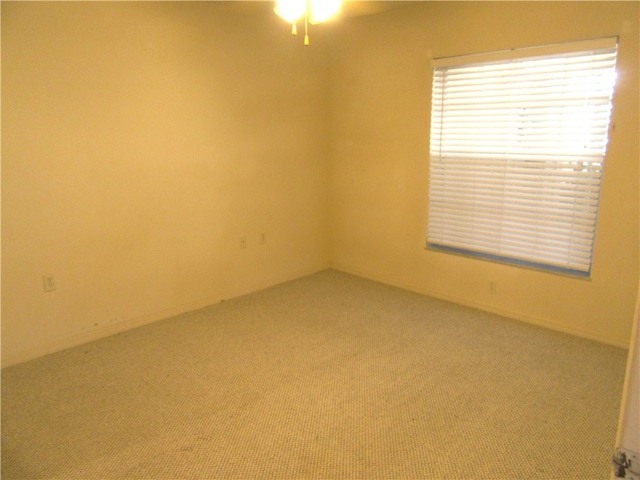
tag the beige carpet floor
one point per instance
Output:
(329, 376)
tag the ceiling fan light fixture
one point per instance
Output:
(290, 10)
(322, 10)
(313, 11)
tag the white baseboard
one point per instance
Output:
(63, 343)
(523, 317)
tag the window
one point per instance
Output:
(517, 148)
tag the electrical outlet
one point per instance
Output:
(243, 241)
(263, 238)
(493, 287)
(49, 283)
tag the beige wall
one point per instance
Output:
(139, 141)
(380, 87)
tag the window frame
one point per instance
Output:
(563, 50)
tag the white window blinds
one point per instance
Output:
(517, 149)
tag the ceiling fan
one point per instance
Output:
(309, 11)
(349, 8)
